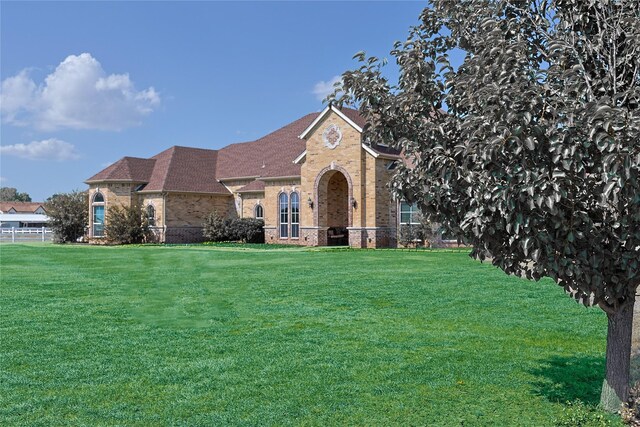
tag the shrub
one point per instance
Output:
(219, 229)
(247, 230)
(423, 233)
(68, 215)
(126, 225)
(215, 228)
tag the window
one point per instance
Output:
(98, 198)
(295, 215)
(409, 213)
(98, 215)
(151, 215)
(259, 212)
(283, 200)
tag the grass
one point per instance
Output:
(197, 335)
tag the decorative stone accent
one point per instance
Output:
(332, 136)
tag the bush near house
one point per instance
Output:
(68, 216)
(126, 225)
(246, 230)
(424, 233)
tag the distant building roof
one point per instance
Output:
(20, 207)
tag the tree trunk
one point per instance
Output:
(615, 388)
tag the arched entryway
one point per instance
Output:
(333, 199)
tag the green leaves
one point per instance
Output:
(537, 161)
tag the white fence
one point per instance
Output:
(26, 234)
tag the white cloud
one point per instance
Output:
(77, 95)
(323, 89)
(3, 179)
(48, 149)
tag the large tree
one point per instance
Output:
(10, 194)
(536, 160)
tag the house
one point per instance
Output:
(22, 214)
(314, 182)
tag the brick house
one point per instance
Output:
(314, 182)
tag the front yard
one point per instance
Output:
(197, 335)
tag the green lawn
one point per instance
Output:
(198, 335)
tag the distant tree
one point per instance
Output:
(126, 225)
(10, 194)
(68, 215)
(536, 163)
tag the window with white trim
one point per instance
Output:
(151, 215)
(258, 212)
(283, 202)
(295, 215)
(97, 213)
(409, 213)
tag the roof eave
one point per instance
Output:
(128, 181)
(379, 155)
(278, 178)
(298, 159)
(238, 178)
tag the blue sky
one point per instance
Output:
(86, 83)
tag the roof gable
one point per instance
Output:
(351, 116)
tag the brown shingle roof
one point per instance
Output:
(354, 116)
(272, 155)
(20, 207)
(185, 169)
(133, 169)
(252, 187)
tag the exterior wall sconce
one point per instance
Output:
(354, 204)
(310, 202)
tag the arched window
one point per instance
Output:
(283, 202)
(295, 215)
(97, 213)
(151, 215)
(259, 212)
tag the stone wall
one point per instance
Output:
(183, 235)
(233, 186)
(190, 209)
(249, 202)
(157, 201)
